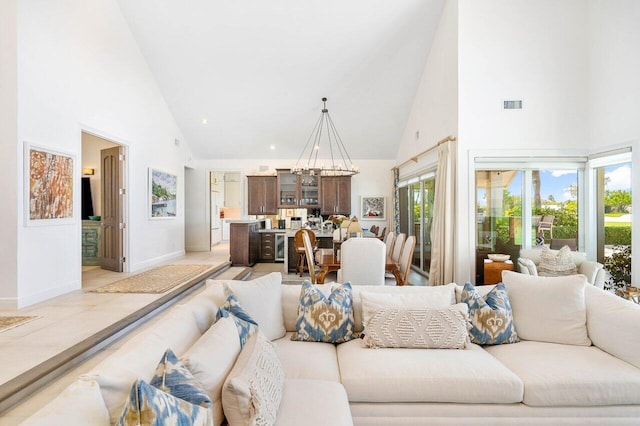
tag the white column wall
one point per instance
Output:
(8, 151)
(80, 68)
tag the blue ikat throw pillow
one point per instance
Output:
(244, 323)
(325, 319)
(491, 316)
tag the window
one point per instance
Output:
(416, 213)
(524, 203)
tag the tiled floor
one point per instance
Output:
(68, 319)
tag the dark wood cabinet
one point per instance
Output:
(267, 246)
(336, 195)
(297, 191)
(244, 243)
(262, 195)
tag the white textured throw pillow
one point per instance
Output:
(253, 390)
(556, 264)
(262, 299)
(211, 359)
(419, 328)
(548, 309)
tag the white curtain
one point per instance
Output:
(443, 226)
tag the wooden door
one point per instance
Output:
(112, 243)
(270, 195)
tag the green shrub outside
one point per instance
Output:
(616, 235)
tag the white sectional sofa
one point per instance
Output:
(529, 382)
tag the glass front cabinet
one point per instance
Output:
(296, 191)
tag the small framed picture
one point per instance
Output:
(163, 190)
(48, 184)
(290, 212)
(373, 207)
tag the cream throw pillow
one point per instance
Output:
(262, 299)
(252, 393)
(419, 328)
(556, 264)
(548, 309)
(211, 359)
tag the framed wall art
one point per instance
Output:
(49, 183)
(163, 189)
(373, 207)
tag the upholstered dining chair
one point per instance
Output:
(397, 246)
(308, 248)
(406, 257)
(382, 233)
(362, 261)
(388, 241)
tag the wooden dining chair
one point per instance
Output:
(299, 246)
(406, 257)
(397, 246)
(382, 233)
(374, 229)
(308, 248)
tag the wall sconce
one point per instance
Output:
(88, 171)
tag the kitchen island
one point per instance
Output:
(244, 241)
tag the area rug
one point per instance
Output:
(9, 322)
(158, 280)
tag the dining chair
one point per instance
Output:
(374, 229)
(362, 261)
(546, 224)
(308, 248)
(382, 233)
(406, 257)
(397, 246)
(388, 241)
(299, 246)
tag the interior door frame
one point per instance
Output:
(207, 193)
(125, 200)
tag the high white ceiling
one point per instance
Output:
(257, 70)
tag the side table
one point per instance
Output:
(493, 270)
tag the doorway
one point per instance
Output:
(103, 205)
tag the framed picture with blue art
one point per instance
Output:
(163, 189)
(373, 207)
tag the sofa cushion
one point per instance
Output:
(262, 299)
(253, 390)
(418, 328)
(435, 375)
(556, 264)
(314, 403)
(81, 403)
(612, 323)
(291, 302)
(325, 319)
(148, 405)
(568, 375)
(244, 323)
(211, 359)
(307, 360)
(548, 309)
(491, 316)
(138, 358)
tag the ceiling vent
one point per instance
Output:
(512, 105)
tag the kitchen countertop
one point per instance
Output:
(273, 231)
(243, 220)
(319, 234)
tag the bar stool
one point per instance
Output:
(298, 243)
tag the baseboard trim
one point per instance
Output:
(156, 261)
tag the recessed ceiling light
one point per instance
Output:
(204, 121)
(272, 147)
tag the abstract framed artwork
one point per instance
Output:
(49, 185)
(163, 189)
(373, 207)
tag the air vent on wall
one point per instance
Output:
(512, 105)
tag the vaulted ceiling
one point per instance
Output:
(256, 70)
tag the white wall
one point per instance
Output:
(8, 150)
(434, 114)
(375, 178)
(80, 68)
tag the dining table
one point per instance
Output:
(329, 261)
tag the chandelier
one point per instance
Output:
(340, 163)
